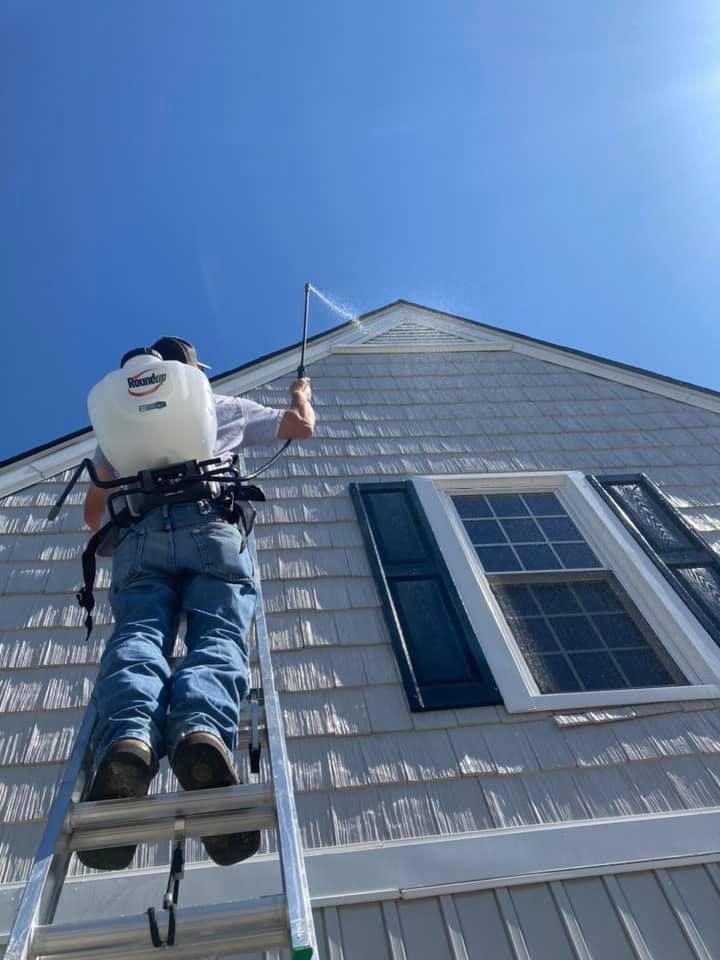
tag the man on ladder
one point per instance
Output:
(182, 557)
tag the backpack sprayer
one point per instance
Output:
(126, 437)
(155, 420)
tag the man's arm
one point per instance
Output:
(96, 498)
(298, 422)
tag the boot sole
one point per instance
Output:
(120, 776)
(199, 764)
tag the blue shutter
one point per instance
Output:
(441, 663)
(681, 555)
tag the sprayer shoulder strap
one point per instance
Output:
(85, 596)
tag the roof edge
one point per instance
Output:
(68, 438)
(82, 431)
(643, 371)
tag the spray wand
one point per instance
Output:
(301, 368)
(300, 374)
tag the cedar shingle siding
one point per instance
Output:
(365, 768)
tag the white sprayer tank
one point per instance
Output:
(152, 413)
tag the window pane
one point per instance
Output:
(555, 598)
(597, 597)
(523, 531)
(618, 630)
(537, 557)
(507, 505)
(576, 633)
(472, 506)
(516, 600)
(544, 505)
(576, 556)
(643, 669)
(553, 674)
(485, 531)
(498, 559)
(534, 635)
(597, 671)
(560, 528)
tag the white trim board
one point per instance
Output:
(420, 348)
(45, 465)
(33, 469)
(411, 869)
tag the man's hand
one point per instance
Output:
(301, 389)
(298, 422)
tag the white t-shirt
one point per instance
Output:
(240, 423)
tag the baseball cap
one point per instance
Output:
(175, 348)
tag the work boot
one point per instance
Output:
(124, 772)
(200, 762)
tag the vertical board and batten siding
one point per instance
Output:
(659, 915)
(365, 767)
(646, 915)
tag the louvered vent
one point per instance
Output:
(413, 333)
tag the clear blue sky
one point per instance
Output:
(177, 167)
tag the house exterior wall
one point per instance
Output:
(365, 768)
(662, 914)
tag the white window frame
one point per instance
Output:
(685, 640)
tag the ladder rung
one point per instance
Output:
(167, 806)
(206, 825)
(224, 928)
(200, 948)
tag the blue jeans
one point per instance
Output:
(179, 558)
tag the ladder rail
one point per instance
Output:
(44, 886)
(292, 864)
(42, 891)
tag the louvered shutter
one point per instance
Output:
(682, 556)
(441, 663)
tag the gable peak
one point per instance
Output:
(407, 327)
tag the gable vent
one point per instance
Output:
(413, 333)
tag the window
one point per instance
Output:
(567, 608)
(577, 630)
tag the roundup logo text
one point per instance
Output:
(145, 382)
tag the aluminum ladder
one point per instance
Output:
(282, 921)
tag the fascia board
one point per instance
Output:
(18, 477)
(409, 869)
(629, 378)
